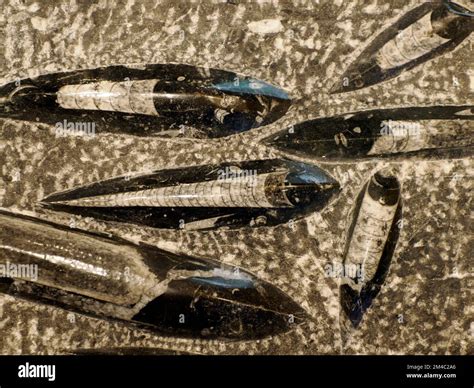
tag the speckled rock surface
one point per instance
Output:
(426, 305)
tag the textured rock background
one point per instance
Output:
(304, 50)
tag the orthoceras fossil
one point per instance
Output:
(175, 295)
(436, 131)
(426, 32)
(371, 241)
(232, 195)
(160, 99)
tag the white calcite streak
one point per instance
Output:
(411, 43)
(266, 26)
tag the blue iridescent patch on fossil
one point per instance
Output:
(219, 281)
(458, 9)
(252, 86)
(309, 174)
